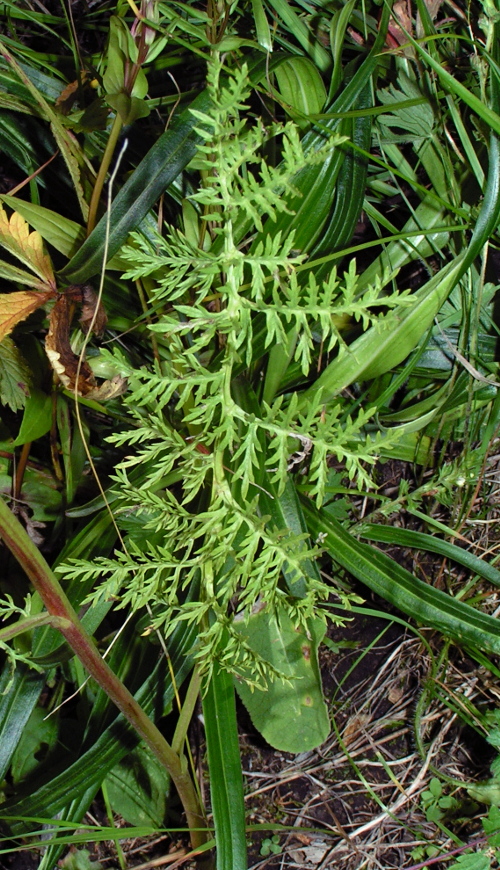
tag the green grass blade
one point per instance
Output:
(395, 584)
(379, 350)
(262, 29)
(303, 35)
(433, 544)
(224, 764)
(455, 87)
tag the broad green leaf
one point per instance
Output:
(301, 87)
(388, 343)
(39, 736)
(120, 48)
(224, 764)
(350, 191)
(395, 584)
(138, 788)
(37, 418)
(15, 143)
(292, 716)
(15, 376)
(63, 234)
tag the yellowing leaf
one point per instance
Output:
(15, 307)
(26, 246)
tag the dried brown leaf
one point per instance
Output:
(73, 372)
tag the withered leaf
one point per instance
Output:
(76, 375)
(26, 246)
(93, 314)
(69, 95)
(15, 307)
(73, 372)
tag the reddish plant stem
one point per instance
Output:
(58, 605)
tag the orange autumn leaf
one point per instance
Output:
(26, 246)
(15, 307)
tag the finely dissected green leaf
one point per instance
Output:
(391, 581)
(433, 544)
(224, 764)
(163, 163)
(37, 418)
(39, 735)
(417, 121)
(63, 234)
(292, 715)
(285, 512)
(138, 788)
(15, 376)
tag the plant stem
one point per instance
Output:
(103, 170)
(59, 606)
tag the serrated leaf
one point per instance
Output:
(20, 276)
(138, 788)
(15, 307)
(15, 376)
(292, 716)
(26, 246)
